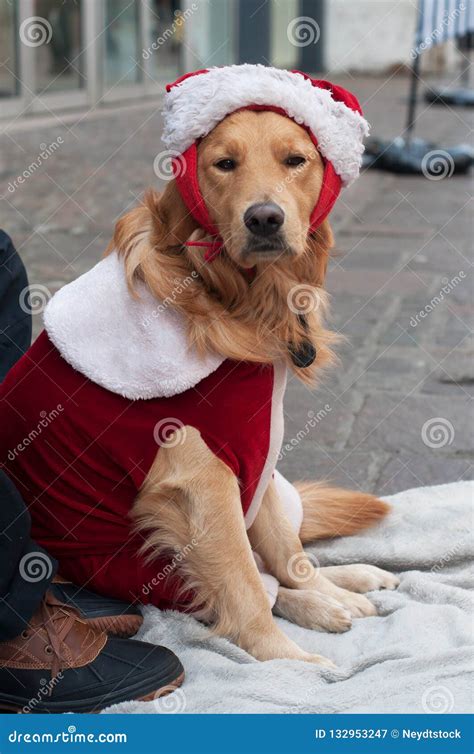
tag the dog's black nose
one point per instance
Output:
(264, 219)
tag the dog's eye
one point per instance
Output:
(294, 160)
(226, 164)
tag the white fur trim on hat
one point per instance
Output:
(134, 347)
(196, 105)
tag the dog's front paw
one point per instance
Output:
(358, 605)
(278, 646)
(309, 608)
(319, 660)
(360, 577)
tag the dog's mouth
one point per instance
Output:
(263, 249)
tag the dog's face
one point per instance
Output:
(260, 175)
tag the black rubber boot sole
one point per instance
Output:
(92, 688)
(13, 706)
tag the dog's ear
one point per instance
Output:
(173, 223)
(162, 221)
(320, 244)
(161, 224)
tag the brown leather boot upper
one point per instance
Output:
(56, 639)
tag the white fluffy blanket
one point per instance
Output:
(416, 656)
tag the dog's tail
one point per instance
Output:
(335, 512)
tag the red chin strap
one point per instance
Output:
(186, 176)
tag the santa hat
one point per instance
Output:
(197, 102)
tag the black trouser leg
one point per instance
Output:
(15, 316)
(25, 568)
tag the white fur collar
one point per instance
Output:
(135, 347)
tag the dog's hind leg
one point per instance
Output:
(192, 496)
(277, 542)
(331, 512)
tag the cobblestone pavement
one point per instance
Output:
(396, 412)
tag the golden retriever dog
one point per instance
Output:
(252, 159)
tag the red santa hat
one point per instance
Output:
(196, 102)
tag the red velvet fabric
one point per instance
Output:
(79, 455)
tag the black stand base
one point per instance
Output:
(462, 97)
(417, 157)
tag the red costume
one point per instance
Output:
(84, 412)
(79, 452)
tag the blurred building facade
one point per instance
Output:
(84, 53)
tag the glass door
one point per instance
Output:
(9, 80)
(121, 43)
(59, 59)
